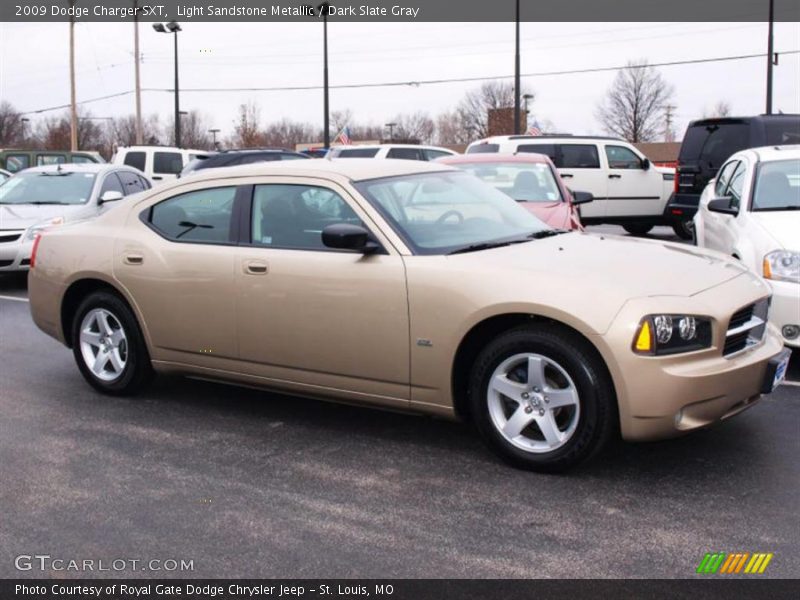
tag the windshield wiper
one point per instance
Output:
(546, 233)
(536, 235)
(39, 202)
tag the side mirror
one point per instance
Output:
(645, 163)
(722, 206)
(582, 197)
(110, 196)
(344, 236)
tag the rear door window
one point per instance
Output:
(405, 153)
(546, 149)
(17, 162)
(50, 159)
(201, 216)
(136, 160)
(131, 182)
(169, 163)
(357, 153)
(783, 133)
(434, 154)
(484, 149)
(578, 156)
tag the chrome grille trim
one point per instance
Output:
(746, 328)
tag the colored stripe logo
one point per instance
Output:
(724, 563)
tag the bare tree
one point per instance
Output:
(123, 130)
(194, 131)
(449, 129)
(720, 109)
(246, 132)
(55, 133)
(634, 105)
(417, 127)
(473, 110)
(287, 134)
(11, 125)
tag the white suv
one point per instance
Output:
(627, 189)
(401, 151)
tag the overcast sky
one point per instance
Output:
(34, 66)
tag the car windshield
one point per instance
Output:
(52, 187)
(524, 182)
(441, 213)
(777, 186)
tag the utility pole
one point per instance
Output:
(668, 135)
(516, 78)
(73, 100)
(770, 51)
(323, 8)
(137, 57)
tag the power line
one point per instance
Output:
(420, 82)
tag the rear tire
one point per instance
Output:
(637, 228)
(541, 398)
(684, 229)
(108, 345)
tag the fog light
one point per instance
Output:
(790, 332)
(687, 327)
(663, 324)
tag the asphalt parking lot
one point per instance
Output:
(251, 484)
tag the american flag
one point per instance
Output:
(534, 128)
(343, 137)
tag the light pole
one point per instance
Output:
(770, 50)
(137, 81)
(323, 8)
(24, 121)
(173, 28)
(214, 133)
(516, 77)
(391, 127)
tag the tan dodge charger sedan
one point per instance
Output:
(409, 286)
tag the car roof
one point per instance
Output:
(735, 120)
(521, 157)
(97, 168)
(352, 169)
(379, 146)
(771, 153)
(495, 139)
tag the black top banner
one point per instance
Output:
(400, 10)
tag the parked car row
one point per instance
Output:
(409, 285)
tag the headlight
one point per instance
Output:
(658, 335)
(42, 225)
(782, 265)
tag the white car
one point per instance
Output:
(158, 163)
(628, 190)
(42, 197)
(401, 151)
(4, 175)
(751, 211)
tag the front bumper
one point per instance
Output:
(785, 308)
(15, 255)
(665, 396)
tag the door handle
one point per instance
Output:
(614, 176)
(133, 259)
(255, 267)
(566, 175)
(157, 177)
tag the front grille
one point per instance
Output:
(25, 262)
(12, 237)
(746, 327)
(6, 263)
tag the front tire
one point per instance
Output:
(542, 398)
(637, 228)
(108, 345)
(684, 229)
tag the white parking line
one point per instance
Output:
(14, 298)
(792, 383)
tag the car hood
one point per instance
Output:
(609, 266)
(555, 214)
(22, 216)
(781, 225)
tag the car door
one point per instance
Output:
(580, 168)
(715, 223)
(314, 317)
(177, 260)
(633, 190)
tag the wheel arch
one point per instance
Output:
(75, 294)
(480, 333)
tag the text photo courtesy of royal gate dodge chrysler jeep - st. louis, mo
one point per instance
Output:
(399, 300)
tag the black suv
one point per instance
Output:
(710, 142)
(230, 158)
